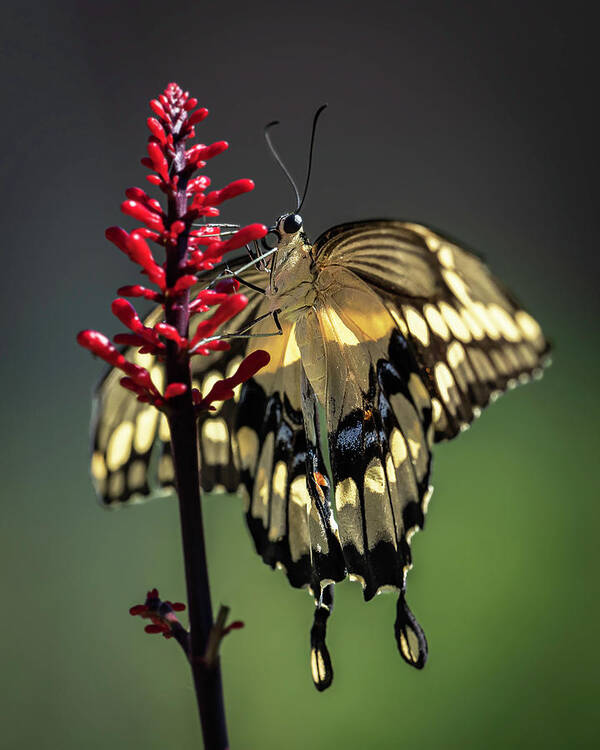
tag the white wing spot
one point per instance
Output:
(436, 322)
(416, 325)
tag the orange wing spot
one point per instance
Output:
(320, 479)
(367, 415)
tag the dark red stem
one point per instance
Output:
(184, 443)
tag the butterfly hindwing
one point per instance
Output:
(288, 511)
(131, 455)
(378, 417)
(469, 336)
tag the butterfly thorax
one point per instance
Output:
(292, 286)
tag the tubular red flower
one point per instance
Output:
(222, 390)
(158, 159)
(157, 130)
(238, 187)
(136, 290)
(139, 211)
(137, 194)
(182, 283)
(230, 307)
(197, 116)
(175, 389)
(242, 237)
(171, 333)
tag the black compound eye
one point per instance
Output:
(292, 223)
(270, 240)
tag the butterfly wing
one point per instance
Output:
(378, 423)
(131, 457)
(282, 468)
(469, 336)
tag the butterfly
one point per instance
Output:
(385, 337)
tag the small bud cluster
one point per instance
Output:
(164, 620)
(162, 614)
(194, 247)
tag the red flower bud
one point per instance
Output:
(216, 197)
(159, 162)
(175, 389)
(136, 290)
(157, 108)
(227, 286)
(197, 116)
(141, 213)
(157, 130)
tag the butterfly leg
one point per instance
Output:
(320, 661)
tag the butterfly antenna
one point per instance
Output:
(278, 159)
(310, 155)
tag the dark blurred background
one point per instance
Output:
(476, 118)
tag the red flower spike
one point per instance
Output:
(190, 104)
(175, 389)
(146, 162)
(154, 179)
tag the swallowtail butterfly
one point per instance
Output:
(395, 338)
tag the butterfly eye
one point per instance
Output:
(292, 223)
(270, 240)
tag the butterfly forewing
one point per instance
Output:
(470, 338)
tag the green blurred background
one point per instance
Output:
(475, 119)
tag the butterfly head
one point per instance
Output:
(287, 230)
(292, 262)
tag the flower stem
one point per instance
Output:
(184, 444)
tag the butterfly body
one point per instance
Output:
(392, 335)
